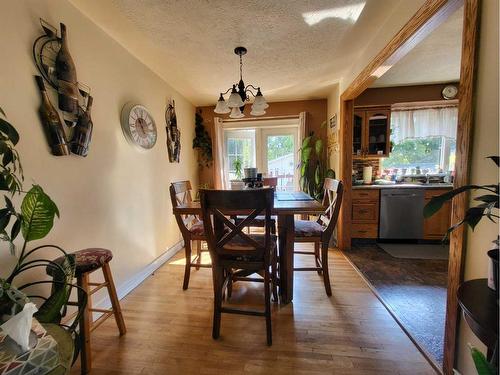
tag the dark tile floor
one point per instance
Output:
(413, 289)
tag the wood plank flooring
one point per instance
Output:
(169, 330)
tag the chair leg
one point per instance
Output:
(267, 296)
(115, 302)
(218, 279)
(326, 276)
(317, 255)
(273, 228)
(187, 269)
(198, 252)
(274, 275)
(85, 322)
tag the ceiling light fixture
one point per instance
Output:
(239, 95)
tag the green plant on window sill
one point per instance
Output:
(237, 165)
(313, 170)
(34, 221)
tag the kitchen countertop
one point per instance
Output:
(404, 186)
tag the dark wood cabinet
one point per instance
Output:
(371, 132)
(365, 213)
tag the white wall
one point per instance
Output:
(116, 197)
(485, 143)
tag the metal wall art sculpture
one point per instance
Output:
(173, 134)
(56, 66)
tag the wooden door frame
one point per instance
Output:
(432, 14)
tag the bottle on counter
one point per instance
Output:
(82, 134)
(66, 76)
(52, 123)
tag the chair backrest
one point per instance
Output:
(270, 181)
(332, 200)
(180, 193)
(218, 205)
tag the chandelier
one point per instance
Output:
(239, 95)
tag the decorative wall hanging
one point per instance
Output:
(173, 134)
(56, 66)
(138, 126)
(236, 102)
(202, 142)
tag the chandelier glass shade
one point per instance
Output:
(239, 94)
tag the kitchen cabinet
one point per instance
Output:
(371, 132)
(436, 226)
(365, 213)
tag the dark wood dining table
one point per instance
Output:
(286, 205)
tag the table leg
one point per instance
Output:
(286, 231)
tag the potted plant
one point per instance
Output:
(312, 166)
(488, 204)
(237, 184)
(33, 221)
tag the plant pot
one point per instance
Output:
(493, 269)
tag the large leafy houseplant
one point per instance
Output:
(312, 166)
(33, 221)
(202, 141)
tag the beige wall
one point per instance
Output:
(333, 136)
(485, 143)
(117, 197)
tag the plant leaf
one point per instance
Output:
(38, 212)
(317, 176)
(7, 129)
(306, 141)
(306, 154)
(483, 367)
(16, 228)
(50, 311)
(436, 203)
(489, 198)
(330, 173)
(2, 112)
(319, 147)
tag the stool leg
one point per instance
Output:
(117, 311)
(85, 322)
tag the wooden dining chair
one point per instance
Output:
(237, 255)
(259, 221)
(191, 227)
(319, 232)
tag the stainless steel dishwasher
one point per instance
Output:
(401, 214)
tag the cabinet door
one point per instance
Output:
(364, 212)
(378, 132)
(358, 130)
(436, 226)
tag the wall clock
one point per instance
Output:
(449, 92)
(138, 126)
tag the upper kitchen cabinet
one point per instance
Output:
(371, 133)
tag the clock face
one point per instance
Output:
(450, 92)
(138, 126)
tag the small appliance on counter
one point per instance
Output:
(252, 179)
(367, 175)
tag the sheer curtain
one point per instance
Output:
(219, 175)
(423, 120)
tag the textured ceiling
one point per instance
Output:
(435, 59)
(296, 49)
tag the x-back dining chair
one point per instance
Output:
(319, 232)
(235, 254)
(191, 228)
(258, 222)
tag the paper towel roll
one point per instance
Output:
(367, 175)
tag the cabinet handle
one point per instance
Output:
(362, 231)
(363, 211)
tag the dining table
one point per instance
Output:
(286, 206)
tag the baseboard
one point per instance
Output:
(125, 288)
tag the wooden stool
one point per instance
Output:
(86, 262)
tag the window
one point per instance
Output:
(271, 146)
(423, 136)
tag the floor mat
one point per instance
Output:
(416, 251)
(414, 290)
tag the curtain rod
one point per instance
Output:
(260, 118)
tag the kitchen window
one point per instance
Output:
(423, 136)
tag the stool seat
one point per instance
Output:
(86, 260)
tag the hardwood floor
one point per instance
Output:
(169, 330)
